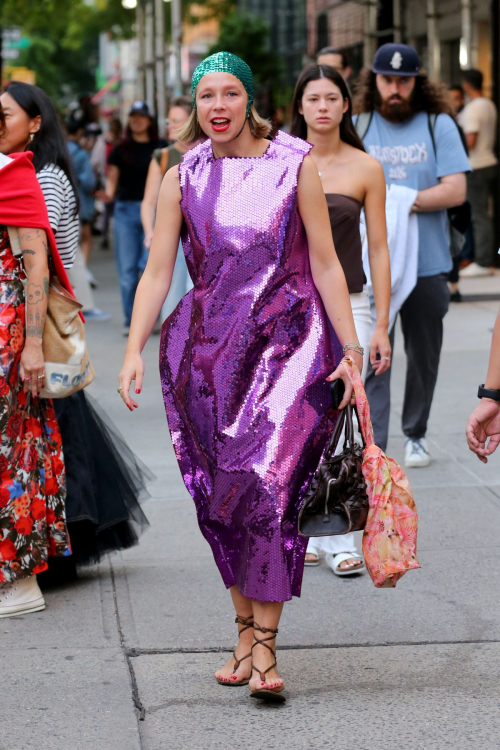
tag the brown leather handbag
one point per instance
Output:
(337, 501)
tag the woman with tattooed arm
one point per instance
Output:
(32, 478)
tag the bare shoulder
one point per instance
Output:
(308, 171)
(170, 186)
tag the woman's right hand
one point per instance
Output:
(132, 370)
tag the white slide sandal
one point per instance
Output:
(335, 561)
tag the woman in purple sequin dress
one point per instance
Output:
(245, 355)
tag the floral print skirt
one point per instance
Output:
(32, 478)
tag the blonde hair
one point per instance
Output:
(191, 131)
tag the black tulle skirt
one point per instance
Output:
(105, 481)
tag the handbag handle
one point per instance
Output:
(345, 418)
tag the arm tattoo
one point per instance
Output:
(28, 252)
(36, 294)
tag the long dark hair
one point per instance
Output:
(127, 140)
(313, 72)
(428, 96)
(48, 144)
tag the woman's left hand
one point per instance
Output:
(32, 367)
(341, 374)
(380, 343)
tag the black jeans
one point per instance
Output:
(422, 317)
(481, 184)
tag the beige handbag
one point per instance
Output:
(68, 368)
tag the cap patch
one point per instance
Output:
(397, 60)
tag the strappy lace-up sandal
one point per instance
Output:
(247, 623)
(269, 695)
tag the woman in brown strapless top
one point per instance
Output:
(352, 181)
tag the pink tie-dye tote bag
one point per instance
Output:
(390, 535)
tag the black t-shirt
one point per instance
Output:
(133, 160)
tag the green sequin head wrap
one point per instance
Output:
(224, 62)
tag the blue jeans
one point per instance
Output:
(131, 255)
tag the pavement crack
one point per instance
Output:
(132, 653)
(141, 711)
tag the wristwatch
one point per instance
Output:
(492, 393)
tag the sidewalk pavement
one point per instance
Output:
(123, 659)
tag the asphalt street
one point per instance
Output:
(123, 658)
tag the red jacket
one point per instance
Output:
(22, 205)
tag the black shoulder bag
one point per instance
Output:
(336, 501)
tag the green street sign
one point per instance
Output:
(22, 43)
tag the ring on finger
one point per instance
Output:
(41, 377)
(119, 389)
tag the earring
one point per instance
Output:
(32, 135)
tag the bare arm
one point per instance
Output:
(111, 182)
(471, 140)
(154, 284)
(150, 200)
(326, 270)
(483, 427)
(378, 253)
(450, 192)
(34, 251)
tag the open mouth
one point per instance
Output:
(220, 124)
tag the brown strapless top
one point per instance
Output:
(344, 219)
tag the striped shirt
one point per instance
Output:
(61, 205)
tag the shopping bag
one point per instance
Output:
(390, 534)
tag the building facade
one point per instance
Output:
(448, 34)
(287, 20)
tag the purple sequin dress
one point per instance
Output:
(243, 360)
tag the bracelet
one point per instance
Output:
(355, 348)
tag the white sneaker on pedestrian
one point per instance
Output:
(21, 598)
(475, 270)
(416, 453)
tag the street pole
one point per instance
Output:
(434, 44)
(149, 55)
(160, 64)
(140, 39)
(397, 21)
(176, 45)
(370, 32)
(466, 38)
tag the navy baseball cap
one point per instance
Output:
(140, 107)
(396, 60)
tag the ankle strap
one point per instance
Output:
(265, 630)
(248, 621)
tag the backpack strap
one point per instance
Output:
(363, 123)
(165, 155)
(431, 121)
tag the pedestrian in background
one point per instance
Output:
(128, 170)
(32, 484)
(479, 123)
(245, 355)
(335, 59)
(103, 477)
(397, 101)
(99, 159)
(164, 159)
(86, 182)
(351, 180)
(457, 98)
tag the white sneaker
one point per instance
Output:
(21, 598)
(416, 453)
(475, 270)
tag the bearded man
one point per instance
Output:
(405, 122)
